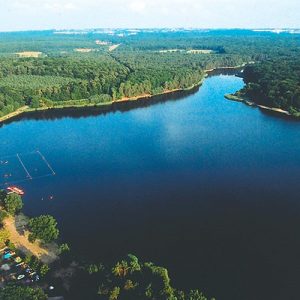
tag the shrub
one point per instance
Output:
(13, 203)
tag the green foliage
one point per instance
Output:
(3, 215)
(114, 294)
(103, 98)
(22, 293)
(31, 238)
(43, 228)
(275, 83)
(93, 268)
(64, 248)
(3, 194)
(129, 285)
(62, 77)
(44, 269)
(36, 265)
(160, 281)
(133, 263)
(130, 279)
(196, 295)
(11, 245)
(120, 269)
(4, 236)
(28, 258)
(13, 203)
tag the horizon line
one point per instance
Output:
(150, 28)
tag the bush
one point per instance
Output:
(3, 195)
(13, 203)
(3, 215)
(10, 245)
(64, 248)
(4, 236)
(44, 269)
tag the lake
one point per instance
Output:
(207, 187)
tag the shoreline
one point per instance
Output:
(246, 101)
(19, 237)
(27, 109)
(13, 114)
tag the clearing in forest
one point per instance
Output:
(200, 51)
(83, 50)
(170, 50)
(29, 54)
(113, 47)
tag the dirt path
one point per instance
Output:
(19, 237)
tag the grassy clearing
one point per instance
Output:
(200, 51)
(83, 50)
(113, 47)
(34, 54)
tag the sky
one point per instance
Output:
(81, 14)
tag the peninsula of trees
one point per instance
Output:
(274, 83)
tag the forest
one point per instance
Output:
(81, 69)
(274, 83)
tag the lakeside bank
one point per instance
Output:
(13, 114)
(27, 109)
(19, 237)
(248, 102)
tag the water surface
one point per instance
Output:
(206, 187)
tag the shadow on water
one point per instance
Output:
(83, 112)
(278, 115)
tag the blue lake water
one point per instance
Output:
(207, 187)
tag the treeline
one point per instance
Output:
(157, 72)
(99, 78)
(274, 83)
(126, 280)
(251, 44)
(61, 77)
(38, 82)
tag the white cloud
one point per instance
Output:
(37, 14)
(43, 6)
(138, 6)
(59, 6)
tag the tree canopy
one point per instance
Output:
(131, 279)
(22, 293)
(43, 228)
(13, 203)
(148, 63)
(275, 83)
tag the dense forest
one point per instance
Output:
(275, 83)
(49, 69)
